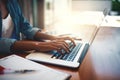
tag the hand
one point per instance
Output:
(66, 38)
(57, 45)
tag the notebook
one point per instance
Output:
(42, 72)
(73, 59)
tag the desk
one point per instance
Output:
(102, 61)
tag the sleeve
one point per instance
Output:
(22, 24)
(5, 45)
(28, 30)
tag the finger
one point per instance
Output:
(62, 47)
(67, 44)
(63, 42)
(58, 49)
(72, 40)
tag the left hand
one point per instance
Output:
(66, 38)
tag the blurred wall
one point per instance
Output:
(99, 5)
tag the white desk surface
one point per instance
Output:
(113, 21)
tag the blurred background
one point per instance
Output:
(44, 13)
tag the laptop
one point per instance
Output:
(72, 60)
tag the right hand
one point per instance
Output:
(52, 45)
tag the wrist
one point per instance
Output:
(20, 46)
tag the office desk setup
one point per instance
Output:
(102, 60)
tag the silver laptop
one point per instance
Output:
(73, 59)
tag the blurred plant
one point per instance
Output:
(116, 5)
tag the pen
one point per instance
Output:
(10, 71)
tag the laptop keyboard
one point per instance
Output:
(68, 56)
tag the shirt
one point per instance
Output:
(21, 25)
(7, 27)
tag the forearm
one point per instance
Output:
(43, 36)
(24, 46)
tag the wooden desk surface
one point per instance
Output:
(102, 61)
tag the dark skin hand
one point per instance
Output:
(59, 44)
